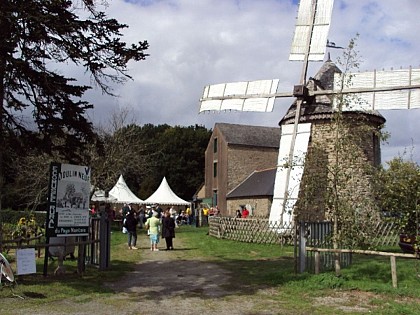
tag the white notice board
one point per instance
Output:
(25, 261)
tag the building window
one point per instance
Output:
(215, 145)
(214, 169)
(214, 197)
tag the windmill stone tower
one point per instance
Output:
(353, 164)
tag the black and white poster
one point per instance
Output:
(68, 195)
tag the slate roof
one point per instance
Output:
(258, 136)
(259, 183)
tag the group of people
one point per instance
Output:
(184, 217)
(104, 208)
(157, 222)
(242, 213)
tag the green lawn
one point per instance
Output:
(253, 266)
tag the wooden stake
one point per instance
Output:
(394, 271)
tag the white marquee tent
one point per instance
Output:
(123, 194)
(165, 196)
(99, 195)
(120, 193)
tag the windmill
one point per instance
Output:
(399, 89)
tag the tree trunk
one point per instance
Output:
(4, 35)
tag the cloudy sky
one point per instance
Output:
(194, 43)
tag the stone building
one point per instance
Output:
(233, 153)
(255, 193)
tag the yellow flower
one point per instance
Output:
(22, 221)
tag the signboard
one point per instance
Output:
(25, 261)
(68, 200)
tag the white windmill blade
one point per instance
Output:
(311, 30)
(287, 183)
(379, 90)
(255, 96)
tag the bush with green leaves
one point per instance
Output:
(398, 193)
(21, 224)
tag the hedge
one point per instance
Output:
(13, 216)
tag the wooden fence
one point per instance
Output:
(263, 231)
(258, 230)
(392, 257)
(385, 234)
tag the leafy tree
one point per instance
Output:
(117, 149)
(398, 192)
(182, 158)
(178, 154)
(142, 154)
(147, 183)
(37, 36)
(122, 149)
(338, 184)
(350, 194)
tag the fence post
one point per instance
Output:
(394, 271)
(104, 242)
(302, 246)
(317, 262)
(81, 255)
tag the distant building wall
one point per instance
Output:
(233, 164)
(260, 206)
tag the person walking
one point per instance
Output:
(125, 210)
(153, 225)
(131, 226)
(168, 230)
(141, 217)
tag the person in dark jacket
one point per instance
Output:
(131, 222)
(168, 230)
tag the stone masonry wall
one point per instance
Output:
(242, 161)
(353, 174)
(261, 206)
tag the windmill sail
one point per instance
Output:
(380, 90)
(257, 96)
(311, 30)
(286, 185)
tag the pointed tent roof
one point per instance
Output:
(122, 193)
(100, 196)
(165, 196)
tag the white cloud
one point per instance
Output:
(195, 43)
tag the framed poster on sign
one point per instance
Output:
(68, 200)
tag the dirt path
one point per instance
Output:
(161, 276)
(165, 282)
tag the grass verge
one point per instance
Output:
(262, 272)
